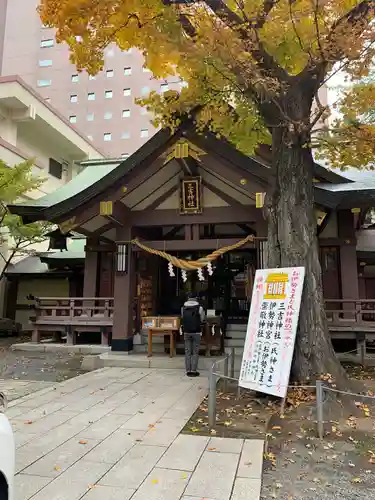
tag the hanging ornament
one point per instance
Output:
(200, 274)
(184, 276)
(171, 270)
(209, 269)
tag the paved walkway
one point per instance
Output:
(18, 388)
(114, 434)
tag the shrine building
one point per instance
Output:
(177, 199)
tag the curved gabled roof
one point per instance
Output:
(99, 180)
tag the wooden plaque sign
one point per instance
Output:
(191, 195)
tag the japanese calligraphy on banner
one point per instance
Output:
(271, 330)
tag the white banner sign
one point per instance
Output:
(271, 330)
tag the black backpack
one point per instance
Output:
(191, 319)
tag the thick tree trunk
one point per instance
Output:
(292, 241)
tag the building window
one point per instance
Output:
(92, 77)
(44, 63)
(44, 83)
(91, 96)
(107, 115)
(108, 94)
(110, 73)
(145, 90)
(75, 78)
(125, 155)
(55, 168)
(126, 113)
(127, 92)
(127, 71)
(74, 98)
(73, 119)
(107, 137)
(90, 117)
(164, 87)
(125, 135)
(47, 43)
(146, 70)
(144, 132)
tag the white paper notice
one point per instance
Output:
(271, 330)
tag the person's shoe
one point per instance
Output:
(195, 374)
(190, 374)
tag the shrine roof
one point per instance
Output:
(100, 177)
(42, 264)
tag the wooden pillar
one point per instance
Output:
(261, 245)
(106, 270)
(124, 294)
(348, 255)
(91, 274)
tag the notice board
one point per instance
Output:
(271, 330)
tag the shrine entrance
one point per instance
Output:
(226, 291)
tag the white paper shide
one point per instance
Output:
(271, 330)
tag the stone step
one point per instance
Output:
(234, 334)
(238, 351)
(139, 360)
(234, 342)
(236, 327)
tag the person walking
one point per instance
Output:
(192, 318)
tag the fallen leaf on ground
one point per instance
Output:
(194, 429)
(151, 426)
(184, 476)
(278, 485)
(276, 428)
(228, 423)
(57, 468)
(154, 481)
(212, 431)
(91, 486)
(356, 480)
(211, 449)
(28, 422)
(82, 441)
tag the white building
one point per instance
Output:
(30, 128)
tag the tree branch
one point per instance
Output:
(231, 19)
(359, 17)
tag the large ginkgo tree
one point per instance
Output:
(254, 68)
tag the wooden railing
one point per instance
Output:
(348, 314)
(72, 316)
(73, 309)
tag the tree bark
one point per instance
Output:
(292, 241)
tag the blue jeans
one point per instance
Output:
(192, 343)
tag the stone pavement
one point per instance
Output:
(15, 389)
(114, 434)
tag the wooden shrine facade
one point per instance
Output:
(187, 193)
